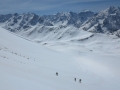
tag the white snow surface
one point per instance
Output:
(27, 65)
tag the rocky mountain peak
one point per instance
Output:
(106, 21)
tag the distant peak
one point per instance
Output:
(15, 14)
(111, 8)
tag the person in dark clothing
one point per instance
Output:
(80, 80)
(75, 79)
(56, 73)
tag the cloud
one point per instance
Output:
(20, 6)
(35, 4)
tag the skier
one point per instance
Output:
(80, 80)
(56, 73)
(75, 79)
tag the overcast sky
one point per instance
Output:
(44, 7)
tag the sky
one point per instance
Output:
(46, 7)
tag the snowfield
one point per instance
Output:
(27, 65)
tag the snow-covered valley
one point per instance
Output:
(31, 62)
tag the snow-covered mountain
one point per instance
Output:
(18, 22)
(106, 21)
(48, 27)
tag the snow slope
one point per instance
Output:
(26, 65)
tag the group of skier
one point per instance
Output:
(74, 78)
(79, 80)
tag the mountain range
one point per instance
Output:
(105, 22)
